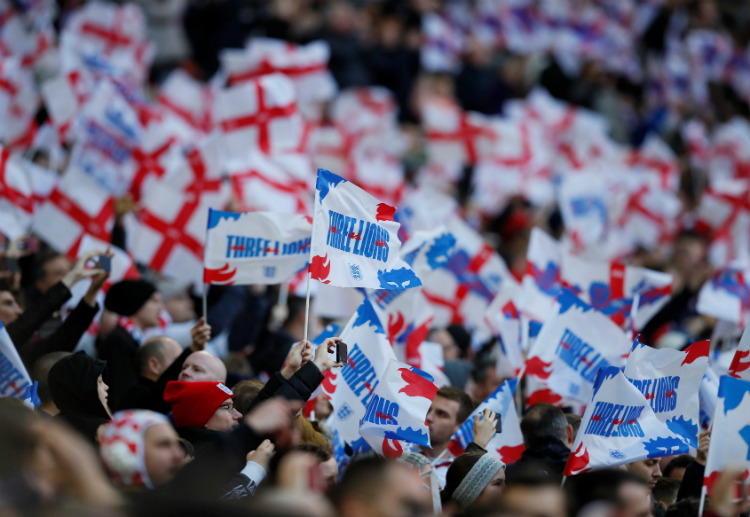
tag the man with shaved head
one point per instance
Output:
(203, 367)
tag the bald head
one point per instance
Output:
(203, 367)
(156, 355)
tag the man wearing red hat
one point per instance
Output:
(201, 405)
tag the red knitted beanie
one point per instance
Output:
(194, 403)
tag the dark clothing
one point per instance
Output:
(298, 387)
(269, 356)
(65, 338)
(23, 329)
(147, 394)
(73, 381)
(692, 481)
(121, 375)
(549, 455)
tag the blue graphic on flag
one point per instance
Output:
(215, 216)
(604, 374)
(665, 446)
(547, 280)
(366, 316)
(408, 435)
(398, 278)
(745, 434)
(327, 181)
(685, 428)
(568, 300)
(732, 391)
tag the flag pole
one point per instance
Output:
(307, 302)
(205, 304)
(283, 293)
(704, 491)
(316, 201)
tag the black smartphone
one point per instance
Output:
(341, 352)
(498, 424)
(105, 263)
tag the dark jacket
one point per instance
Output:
(65, 337)
(23, 329)
(119, 349)
(692, 481)
(147, 394)
(298, 387)
(548, 454)
(74, 387)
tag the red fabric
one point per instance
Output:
(194, 403)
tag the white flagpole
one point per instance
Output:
(205, 303)
(307, 303)
(283, 293)
(309, 275)
(704, 491)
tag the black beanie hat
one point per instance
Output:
(128, 296)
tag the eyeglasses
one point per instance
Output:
(228, 407)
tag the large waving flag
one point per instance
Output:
(355, 239)
(397, 410)
(352, 388)
(506, 445)
(503, 319)
(612, 287)
(740, 367)
(14, 379)
(572, 346)
(541, 282)
(254, 247)
(730, 438)
(620, 427)
(670, 380)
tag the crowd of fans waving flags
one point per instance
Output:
(241, 181)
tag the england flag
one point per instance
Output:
(740, 367)
(355, 239)
(254, 247)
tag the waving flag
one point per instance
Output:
(541, 282)
(575, 343)
(503, 319)
(14, 379)
(397, 410)
(507, 445)
(254, 247)
(740, 367)
(612, 287)
(463, 288)
(670, 380)
(620, 427)
(355, 239)
(730, 438)
(352, 388)
(16, 196)
(726, 295)
(583, 205)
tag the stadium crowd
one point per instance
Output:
(149, 406)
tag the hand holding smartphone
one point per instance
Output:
(341, 352)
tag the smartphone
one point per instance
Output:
(498, 424)
(341, 352)
(105, 263)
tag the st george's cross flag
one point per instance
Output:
(620, 427)
(507, 444)
(254, 247)
(574, 343)
(726, 295)
(397, 410)
(740, 367)
(730, 438)
(670, 380)
(355, 239)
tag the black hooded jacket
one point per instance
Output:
(74, 387)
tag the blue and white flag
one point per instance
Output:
(14, 379)
(398, 409)
(351, 389)
(506, 445)
(355, 238)
(574, 343)
(620, 427)
(255, 247)
(670, 380)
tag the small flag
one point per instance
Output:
(355, 239)
(740, 367)
(254, 247)
(15, 380)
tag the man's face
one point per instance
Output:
(148, 315)
(55, 269)
(330, 470)
(201, 367)
(635, 500)
(442, 420)
(102, 390)
(225, 418)
(180, 308)
(648, 470)
(9, 308)
(163, 453)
